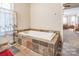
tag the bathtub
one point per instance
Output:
(42, 42)
(39, 34)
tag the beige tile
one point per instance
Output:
(25, 51)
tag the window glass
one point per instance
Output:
(64, 20)
(5, 5)
(6, 17)
(73, 20)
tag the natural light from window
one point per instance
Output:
(5, 17)
(64, 20)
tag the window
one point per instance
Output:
(77, 20)
(6, 6)
(64, 20)
(73, 20)
(6, 18)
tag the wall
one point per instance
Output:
(46, 16)
(39, 16)
(23, 15)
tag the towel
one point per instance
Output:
(6, 53)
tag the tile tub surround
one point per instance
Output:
(41, 46)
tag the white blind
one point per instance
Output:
(6, 5)
(6, 18)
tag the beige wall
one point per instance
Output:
(23, 15)
(46, 16)
(39, 16)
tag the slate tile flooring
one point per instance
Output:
(24, 51)
(70, 43)
(14, 49)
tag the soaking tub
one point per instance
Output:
(43, 35)
(45, 43)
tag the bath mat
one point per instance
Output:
(14, 49)
(6, 53)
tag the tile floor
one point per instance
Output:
(24, 51)
(71, 43)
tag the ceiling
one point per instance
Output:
(70, 5)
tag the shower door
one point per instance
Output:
(7, 24)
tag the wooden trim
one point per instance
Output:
(22, 30)
(3, 44)
(43, 30)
